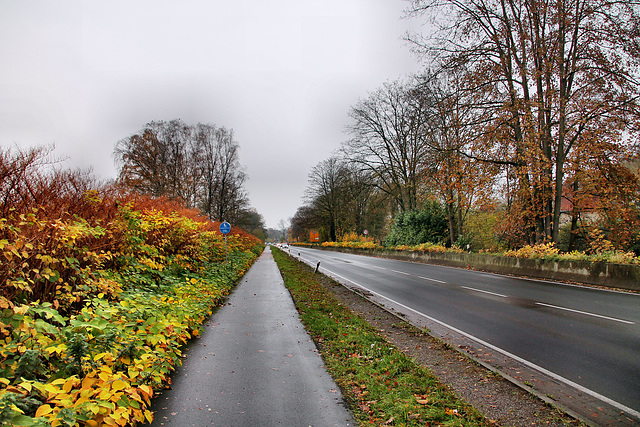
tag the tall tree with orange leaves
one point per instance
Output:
(550, 79)
(458, 179)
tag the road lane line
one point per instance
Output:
(586, 313)
(401, 272)
(557, 377)
(432, 280)
(485, 292)
(375, 266)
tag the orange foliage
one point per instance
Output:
(58, 228)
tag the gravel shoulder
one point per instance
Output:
(502, 402)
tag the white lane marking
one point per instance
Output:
(586, 313)
(375, 266)
(432, 280)
(485, 292)
(401, 272)
(557, 377)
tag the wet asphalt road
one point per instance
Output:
(254, 365)
(589, 336)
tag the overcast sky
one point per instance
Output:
(281, 73)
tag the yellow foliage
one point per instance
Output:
(352, 237)
(598, 243)
(352, 244)
(537, 251)
(127, 347)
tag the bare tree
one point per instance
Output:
(199, 165)
(283, 226)
(175, 136)
(364, 205)
(252, 222)
(303, 222)
(388, 141)
(21, 173)
(222, 179)
(228, 193)
(325, 193)
(341, 199)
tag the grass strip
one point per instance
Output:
(382, 384)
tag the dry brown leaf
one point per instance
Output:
(422, 399)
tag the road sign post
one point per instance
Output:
(225, 228)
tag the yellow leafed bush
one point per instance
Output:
(94, 317)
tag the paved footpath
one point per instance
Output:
(254, 365)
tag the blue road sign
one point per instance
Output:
(225, 227)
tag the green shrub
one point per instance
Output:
(427, 225)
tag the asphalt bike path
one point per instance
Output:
(254, 365)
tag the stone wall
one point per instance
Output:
(597, 273)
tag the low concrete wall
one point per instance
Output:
(596, 273)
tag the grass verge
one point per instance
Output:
(382, 385)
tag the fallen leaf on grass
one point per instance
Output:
(421, 399)
(451, 411)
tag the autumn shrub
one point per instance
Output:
(598, 243)
(355, 241)
(510, 228)
(431, 247)
(368, 245)
(331, 244)
(30, 179)
(542, 250)
(50, 260)
(423, 247)
(352, 237)
(352, 245)
(482, 231)
(603, 250)
(549, 251)
(60, 260)
(427, 247)
(99, 292)
(101, 365)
